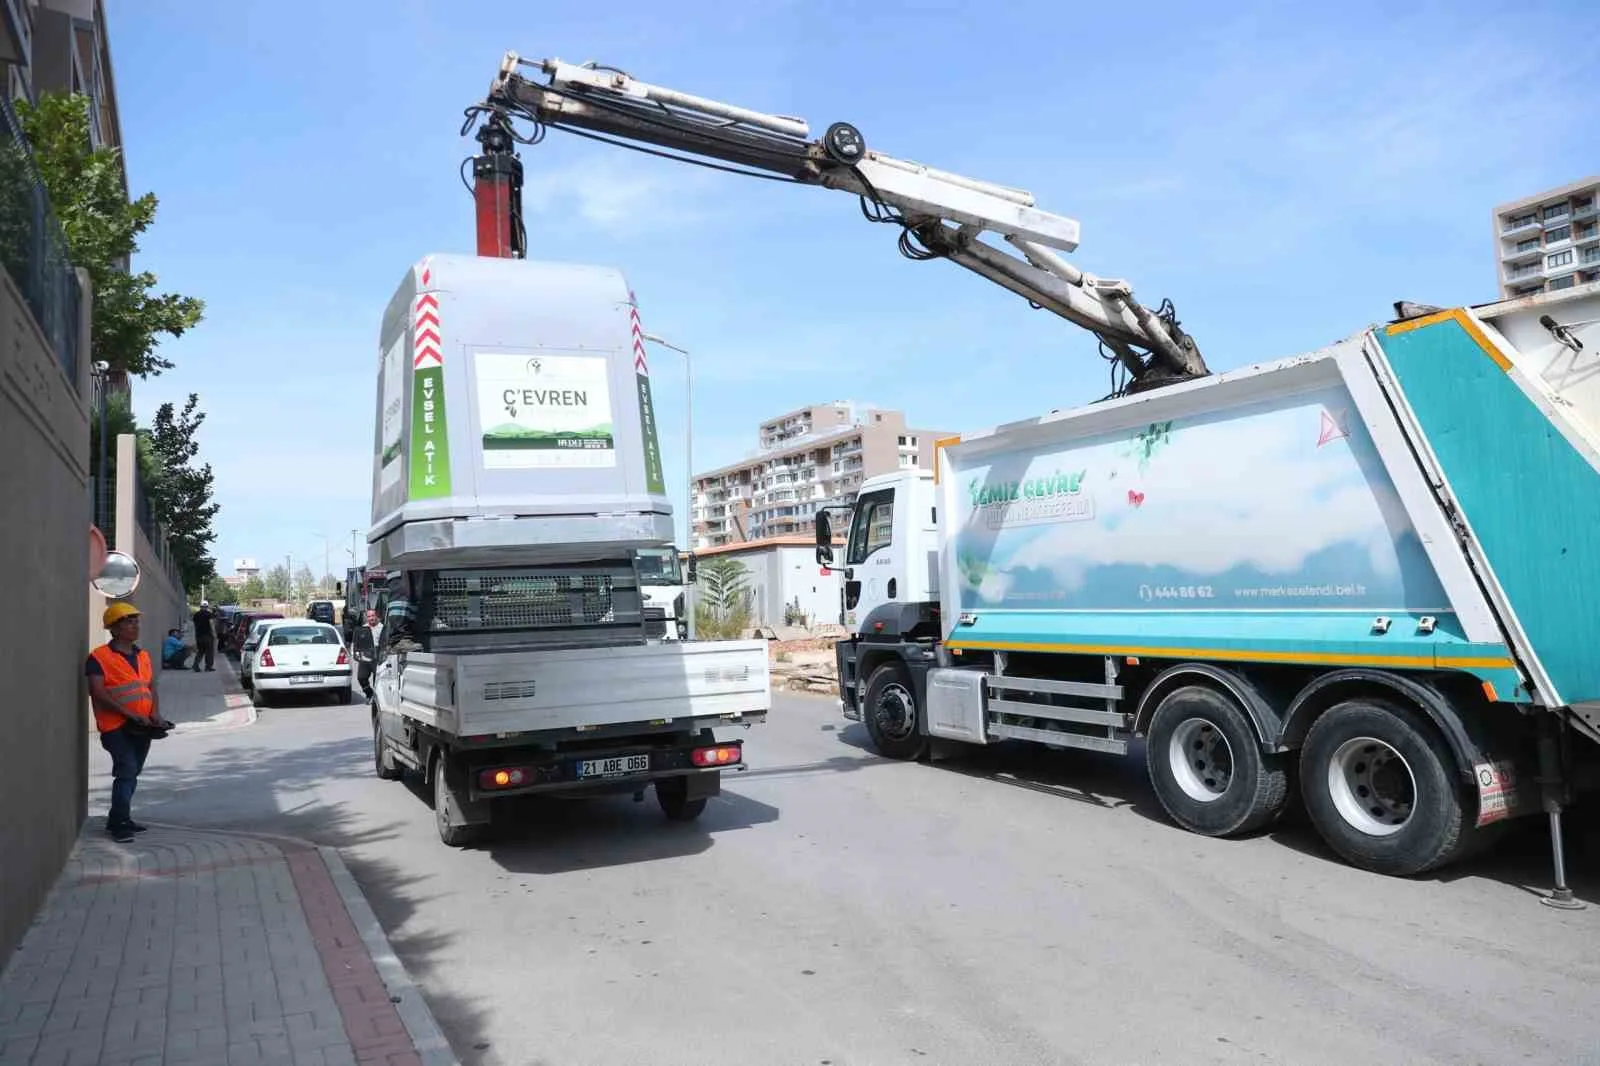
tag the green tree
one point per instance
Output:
(305, 583)
(276, 582)
(253, 589)
(179, 492)
(103, 226)
(220, 593)
(722, 599)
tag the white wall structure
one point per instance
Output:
(785, 572)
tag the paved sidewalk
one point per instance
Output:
(207, 700)
(212, 949)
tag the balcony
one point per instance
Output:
(1581, 213)
(1521, 226)
(1586, 234)
(1514, 255)
(1525, 273)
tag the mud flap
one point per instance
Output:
(703, 786)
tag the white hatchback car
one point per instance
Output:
(299, 655)
(251, 644)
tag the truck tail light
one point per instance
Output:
(505, 777)
(266, 658)
(721, 755)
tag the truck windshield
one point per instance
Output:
(873, 527)
(659, 566)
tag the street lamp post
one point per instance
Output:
(688, 473)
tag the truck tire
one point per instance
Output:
(1379, 784)
(891, 714)
(1207, 767)
(672, 793)
(453, 836)
(383, 763)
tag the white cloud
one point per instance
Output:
(619, 193)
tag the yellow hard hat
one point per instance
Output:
(116, 611)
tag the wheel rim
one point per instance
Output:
(895, 713)
(1200, 759)
(1372, 786)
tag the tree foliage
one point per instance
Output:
(253, 589)
(180, 492)
(722, 601)
(276, 583)
(220, 593)
(103, 226)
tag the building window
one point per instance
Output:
(1561, 283)
(1560, 259)
(1529, 245)
(1560, 233)
(1555, 211)
(1585, 232)
(1520, 221)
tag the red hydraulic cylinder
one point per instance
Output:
(497, 194)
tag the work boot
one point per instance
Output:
(121, 834)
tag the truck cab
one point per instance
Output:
(662, 587)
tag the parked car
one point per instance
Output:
(234, 641)
(252, 642)
(322, 611)
(298, 655)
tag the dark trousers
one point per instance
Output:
(207, 650)
(177, 660)
(128, 754)
(364, 677)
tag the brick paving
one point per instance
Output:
(207, 948)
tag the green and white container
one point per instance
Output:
(514, 419)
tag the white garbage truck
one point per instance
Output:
(518, 517)
(1366, 574)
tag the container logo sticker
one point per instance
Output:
(430, 441)
(545, 411)
(655, 479)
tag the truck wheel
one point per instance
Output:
(891, 713)
(1378, 784)
(672, 793)
(454, 836)
(382, 761)
(1207, 766)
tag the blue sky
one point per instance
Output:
(1281, 177)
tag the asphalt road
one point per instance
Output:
(832, 908)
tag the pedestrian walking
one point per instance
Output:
(365, 645)
(127, 712)
(205, 637)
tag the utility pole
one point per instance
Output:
(688, 474)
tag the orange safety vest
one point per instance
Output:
(126, 686)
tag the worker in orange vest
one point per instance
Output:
(123, 693)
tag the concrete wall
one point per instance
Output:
(158, 596)
(44, 548)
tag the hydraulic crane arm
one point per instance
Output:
(942, 215)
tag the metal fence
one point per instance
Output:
(33, 248)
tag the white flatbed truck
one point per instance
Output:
(518, 519)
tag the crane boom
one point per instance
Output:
(942, 215)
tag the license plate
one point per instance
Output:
(620, 766)
(305, 680)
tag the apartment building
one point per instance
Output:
(806, 459)
(1549, 241)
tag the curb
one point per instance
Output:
(421, 1026)
(234, 699)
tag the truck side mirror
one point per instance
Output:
(824, 539)
(692, 573)
(338, 588)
